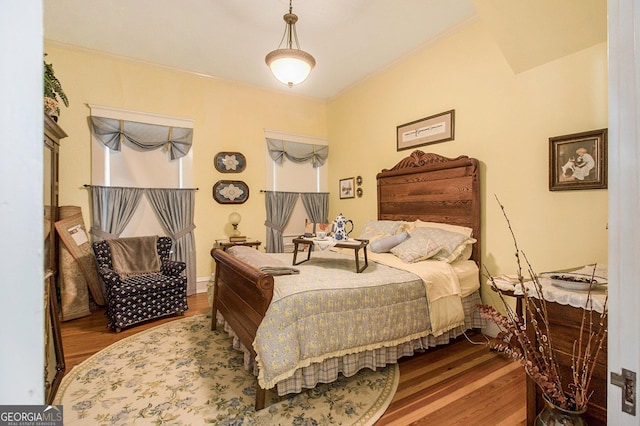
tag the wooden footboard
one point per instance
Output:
(242, 294)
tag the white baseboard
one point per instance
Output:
(490, 329)
(202, 284)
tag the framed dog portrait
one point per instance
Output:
(578, 161)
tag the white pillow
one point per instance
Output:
(466, 253)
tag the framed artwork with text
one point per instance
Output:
(434, 129)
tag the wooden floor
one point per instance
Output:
(457, 384)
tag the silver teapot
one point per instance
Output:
(340, 232)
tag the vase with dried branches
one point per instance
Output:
(529, 340)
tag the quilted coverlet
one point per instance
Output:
(329, 310)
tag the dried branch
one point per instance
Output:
(538, 356)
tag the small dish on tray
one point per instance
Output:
(574, 281)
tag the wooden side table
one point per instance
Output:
(225, 244)
(564, 322)
(509, 293)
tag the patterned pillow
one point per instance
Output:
(452, 244)
(446, 226)
(416, 248)
(375, 229)
(383, 245)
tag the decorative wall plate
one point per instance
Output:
(229, 162)
(230, 192)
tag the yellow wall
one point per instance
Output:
(228, 117)
(502, 119)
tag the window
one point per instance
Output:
(295, 177)
(132, 167)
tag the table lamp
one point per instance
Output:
(234, 219)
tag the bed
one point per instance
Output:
(253, 305)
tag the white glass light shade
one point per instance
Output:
(234, 218)
(290, 66)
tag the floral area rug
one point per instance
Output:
(182, 373)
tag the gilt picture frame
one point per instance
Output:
(578, 161)
(347, 188)
(425, 131)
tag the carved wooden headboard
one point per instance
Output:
(432, 188)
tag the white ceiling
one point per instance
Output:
(228, 39)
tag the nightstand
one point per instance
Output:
(565, 311)
(564, 323)
(506, 285)
(225, 244)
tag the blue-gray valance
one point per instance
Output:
(297, 152)
(112, 133)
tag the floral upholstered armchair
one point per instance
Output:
(140, 281)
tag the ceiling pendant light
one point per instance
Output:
(290, 65)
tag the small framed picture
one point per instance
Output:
(428, 130)
(230, 192)
(578, 161)
(230, 162)
(347, 188)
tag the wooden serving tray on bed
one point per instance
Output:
(353, 244)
